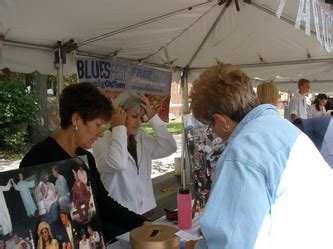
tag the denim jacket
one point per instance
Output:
(270, 190)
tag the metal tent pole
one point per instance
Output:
(203, 42)
(145, 22)
(60, 71)
(185, 163)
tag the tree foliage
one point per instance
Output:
(17, 109)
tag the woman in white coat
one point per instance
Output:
(5, 221)
(124, 155)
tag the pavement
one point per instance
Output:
(6, 165)
(164, 165)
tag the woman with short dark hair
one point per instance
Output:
(83, 111)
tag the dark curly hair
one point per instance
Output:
(84, 99)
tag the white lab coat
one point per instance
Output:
(131, 186)
(5, 220)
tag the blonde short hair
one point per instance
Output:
(128, 100)
(222, 89)
(268, 93)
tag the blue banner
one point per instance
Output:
(116, 76)
(104, 74)
(150, 81)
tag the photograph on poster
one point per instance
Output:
(49, 206)
(204, 148)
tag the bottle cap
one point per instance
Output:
(184, 191)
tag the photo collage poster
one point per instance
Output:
(49, 206)
(204, 149)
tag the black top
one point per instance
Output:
(116, 219)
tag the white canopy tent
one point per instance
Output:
(180, 35)
(173, 34)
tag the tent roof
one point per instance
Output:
(172, 34)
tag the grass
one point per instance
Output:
(174, 127)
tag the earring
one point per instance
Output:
(76, 128)
(225, 128)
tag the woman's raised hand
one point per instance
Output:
(118, 117)
(146, 105)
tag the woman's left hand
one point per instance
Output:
(146, 105)
(147, 223)
(118, 117)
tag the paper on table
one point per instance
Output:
(193, 233)
(189, 235)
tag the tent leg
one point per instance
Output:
(185, 163)
(60, 73)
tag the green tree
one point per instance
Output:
(17, 110)
(40, 128)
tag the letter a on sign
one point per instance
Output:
(303, 14)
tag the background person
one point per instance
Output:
(17, 239)
(82, 174)
(61, 188)
(81, 198)
(298, 107)
(45, 238)
(69, 231)
(23, 186)
(320, 131)
(83, 110)
(268, 93)
(329, 106)
(49, 198)
(85, 243)
(94, 237)
(5, 220)
(269, 178)
(124, 155)
(9, 241)
(318, 109)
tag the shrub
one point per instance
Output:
(17, 110)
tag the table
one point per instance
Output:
(124, 240)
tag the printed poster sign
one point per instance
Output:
(114, 77)
(49, 206)
(204, 149)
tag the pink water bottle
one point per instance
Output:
(184, 206)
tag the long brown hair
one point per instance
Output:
(320, 96)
